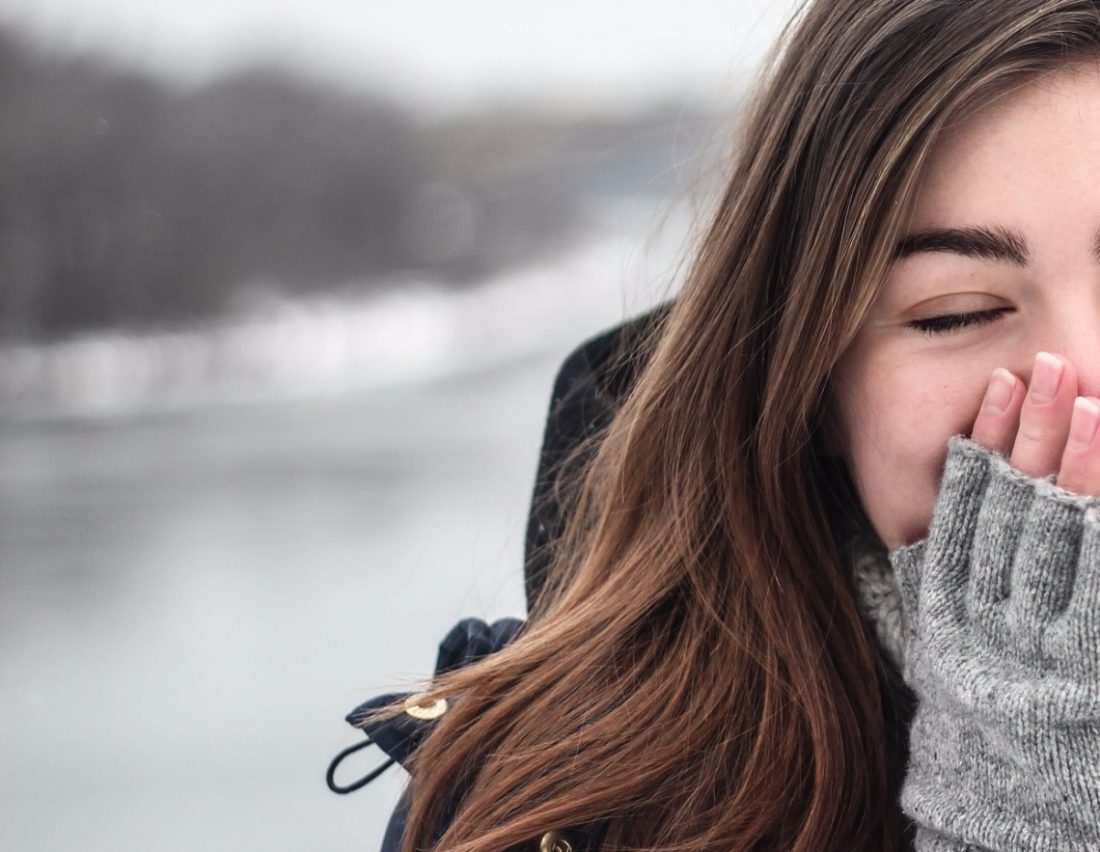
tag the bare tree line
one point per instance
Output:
(126, 201)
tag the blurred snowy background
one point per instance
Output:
(283, 287)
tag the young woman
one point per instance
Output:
(830, 578)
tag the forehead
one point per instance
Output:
(1037, 139)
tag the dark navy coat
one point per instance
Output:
(588, 387)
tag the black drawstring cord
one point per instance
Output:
(330, 776)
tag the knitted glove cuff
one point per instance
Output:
(1002, 609)
(1011, 559)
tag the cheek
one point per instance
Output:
(897, 423)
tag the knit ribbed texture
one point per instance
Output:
(1002, 649)
(877, 593)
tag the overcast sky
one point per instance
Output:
(436, 54)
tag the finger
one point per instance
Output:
(999, 417)
(1080, 467)
(1044, 416)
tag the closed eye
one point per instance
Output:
(952, 322)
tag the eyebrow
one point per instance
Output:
(995, 243)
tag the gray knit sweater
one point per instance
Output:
(994, 621)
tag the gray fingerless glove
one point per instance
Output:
(1002, 611)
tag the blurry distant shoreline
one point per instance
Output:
(128, 204)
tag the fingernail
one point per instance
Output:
(1045, 377)
(1082, 425)
(999, 394)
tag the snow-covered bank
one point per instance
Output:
(413, 332)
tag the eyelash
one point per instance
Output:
(952, 322)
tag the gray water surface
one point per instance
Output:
(191, 602)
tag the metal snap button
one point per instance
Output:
(420, 706)
(554, 841)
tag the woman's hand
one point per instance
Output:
(1045, 428)
(1002, 606)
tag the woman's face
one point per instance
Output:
(1006, 229)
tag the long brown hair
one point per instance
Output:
(696, 675)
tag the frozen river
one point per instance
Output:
(190, 603)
